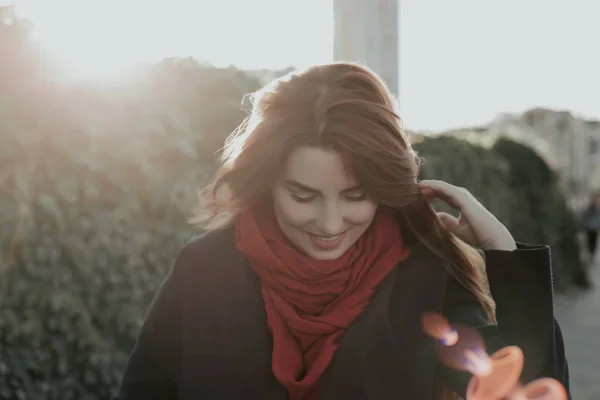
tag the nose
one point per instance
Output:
(330, 220)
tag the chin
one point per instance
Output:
(327, 255)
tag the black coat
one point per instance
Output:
(206, 335)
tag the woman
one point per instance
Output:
(321, 255)
(591, 224)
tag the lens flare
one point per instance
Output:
(495, 376)
(477, 362)
(459, 347)
(541, 389)
(438, 327)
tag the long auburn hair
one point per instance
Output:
(345, 107)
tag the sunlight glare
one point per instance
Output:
(92, 40)
(101, 40)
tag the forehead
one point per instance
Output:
(318, 168)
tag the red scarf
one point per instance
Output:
(310, 303)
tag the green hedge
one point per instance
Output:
(96, 185)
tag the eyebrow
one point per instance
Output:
(299, 186)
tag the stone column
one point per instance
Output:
(366, 31)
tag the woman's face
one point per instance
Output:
(319, 206)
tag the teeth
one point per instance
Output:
(326, 239)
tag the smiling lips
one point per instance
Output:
(327, 242)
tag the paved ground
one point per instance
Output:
(578, 313)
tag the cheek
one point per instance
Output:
(361, 213)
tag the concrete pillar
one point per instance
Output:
(367, 31)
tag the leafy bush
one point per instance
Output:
(91, 221)
(96, 185)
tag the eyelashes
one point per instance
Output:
(308, 199)
(301, 199)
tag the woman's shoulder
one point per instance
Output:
(208, 252)
(209, 242)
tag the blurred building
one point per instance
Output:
(569, 144)
(366, 31)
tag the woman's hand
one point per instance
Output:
(476, 225)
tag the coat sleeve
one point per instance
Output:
(520, 283)
(150, 370)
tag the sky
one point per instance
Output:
(102, 37)
(462, 62)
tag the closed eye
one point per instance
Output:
(356, 196)
(302, 199)
(309, 198)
